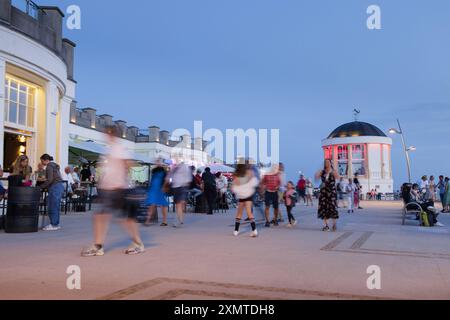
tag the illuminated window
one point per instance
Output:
(358, 159)
(20, 103)
(342, 155)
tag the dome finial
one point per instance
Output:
(356, 113)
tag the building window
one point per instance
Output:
(358, 159)
(342, 157)
(20, 103)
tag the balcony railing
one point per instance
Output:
(27, 6)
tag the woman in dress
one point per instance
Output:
(432, 189)
(446, 203)
(328, 196)
(156, 196)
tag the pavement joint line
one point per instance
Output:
(336, 242)
(151, 283)
(173, 294)
(361, 240)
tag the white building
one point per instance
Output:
(36, 69)
(38, 112)
(361, 148)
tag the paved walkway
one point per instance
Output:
(204, 261)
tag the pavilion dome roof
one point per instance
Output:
(356, 129)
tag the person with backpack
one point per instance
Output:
(289, 200)
(209, 189)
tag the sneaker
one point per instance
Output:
(135, 248)
(438, 224)
(93, 251)
(235, 233)
(51, 228)
(163, 224)
(267, 224)
(334, 228)
(289, 225)
(294, 223)
(275, 224)
(254, 234)
(349, 211)
(326, 228)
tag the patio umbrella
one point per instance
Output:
(216, 167)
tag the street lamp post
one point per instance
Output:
(405, 149)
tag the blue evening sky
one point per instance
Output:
(300, 66)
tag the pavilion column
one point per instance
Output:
(350, 161)
(51, 114)
(2, 107)
(64, 120)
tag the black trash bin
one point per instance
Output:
(22, 214)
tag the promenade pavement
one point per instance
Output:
(203, 260)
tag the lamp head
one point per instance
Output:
(394, 131)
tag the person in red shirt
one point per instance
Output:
(271, 185)
(301, 188)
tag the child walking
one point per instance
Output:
(289, 200)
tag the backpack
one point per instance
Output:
(425, 221)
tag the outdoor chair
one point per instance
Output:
(410, 207)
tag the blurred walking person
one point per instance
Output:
(357, 192)
(309, 191)
(328, 196)
(113, 187)
(289, 201)
(432, 188)
(446, 203)
(301, 188)
(350, 189)
(180, 178)
(441, 186)
(282, 190)
(244, 186)
(271, 184)
(156, 197)
(54, 184)
(209, 189)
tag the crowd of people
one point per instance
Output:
(247, 185)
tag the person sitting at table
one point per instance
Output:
(21, 173)
(76, 175)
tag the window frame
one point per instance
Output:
(31, 91)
